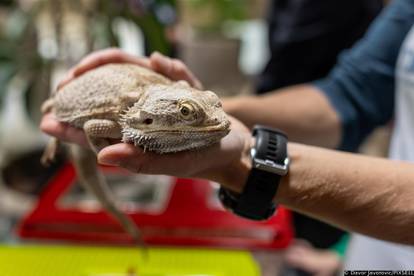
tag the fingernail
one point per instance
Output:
(108, 161)
(155, 53)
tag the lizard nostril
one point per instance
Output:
(148, 121)
(212, 121)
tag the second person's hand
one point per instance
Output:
(172, 68)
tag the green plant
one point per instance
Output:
(218, 12)
(20, 37)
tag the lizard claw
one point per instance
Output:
(50, 152)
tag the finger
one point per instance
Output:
(294, 255)
(136, 160)
(183, 73)
(295, 258)
(302, 243)
(173, 68)
(106, 56)
(99, 58)
(116, 154)
(112, 55)
(62, 131)
(68, 78)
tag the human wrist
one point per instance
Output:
(281, 196)
(233, 175)
(269, 163)
(290, 185)
(236, 174)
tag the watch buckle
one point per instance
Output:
(270, 166)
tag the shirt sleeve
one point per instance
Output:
(361, 87)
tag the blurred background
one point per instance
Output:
(234, 47)
(41, 39)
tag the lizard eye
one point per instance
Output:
(186, 110)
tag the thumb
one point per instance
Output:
(136, 160)
(125, 155)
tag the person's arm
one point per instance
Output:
(302, 111)
(358, 95)
(368, 195)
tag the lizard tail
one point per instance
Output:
(94, 181)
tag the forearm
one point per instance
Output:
(361, 194)
(303, 112)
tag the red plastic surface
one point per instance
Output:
(188, 220)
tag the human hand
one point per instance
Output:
(320, 262)
(169, 67)
(227, 162)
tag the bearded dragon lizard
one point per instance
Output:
(132, 104)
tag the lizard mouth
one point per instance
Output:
(190, 129)
(174, 140)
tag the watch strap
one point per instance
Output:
(244, 206)
(256, 200)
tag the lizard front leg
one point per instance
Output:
(100, 131)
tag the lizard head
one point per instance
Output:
(172, 118)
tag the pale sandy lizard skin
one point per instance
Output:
(135, 105)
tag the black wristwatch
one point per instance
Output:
(270, 162)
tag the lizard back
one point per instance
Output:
(97, 93)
